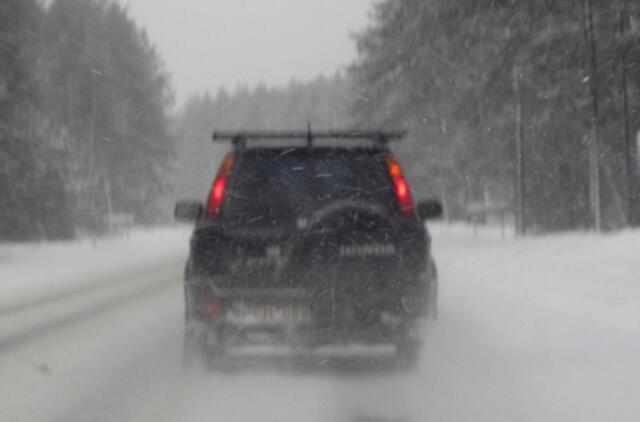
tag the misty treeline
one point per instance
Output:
(459, 75)
(324, 102)
(84, 130)
(456, 72)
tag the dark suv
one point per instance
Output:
(308, 242)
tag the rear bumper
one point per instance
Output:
(331, 307)
(226, 333)
(351, 350)
(358, 316)
(366, 291)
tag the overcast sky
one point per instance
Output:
(208, 44)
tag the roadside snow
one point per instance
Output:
(32, 271)
(529, 329)
(591, 277)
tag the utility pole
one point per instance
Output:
(628, 142)
(519, 181)
(92, 142)
(92, 136)
(594, 147)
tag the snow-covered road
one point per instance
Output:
(537, 329)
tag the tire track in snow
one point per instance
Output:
(77, 307)
(101, 283)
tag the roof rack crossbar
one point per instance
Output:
(239, 138)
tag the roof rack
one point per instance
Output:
(240, 138)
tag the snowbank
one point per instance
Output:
(583, 275)
(32, 271)
(587, 276)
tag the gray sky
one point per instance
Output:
(207, 44)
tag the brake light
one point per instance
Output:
(210, 307)
(400, 186)
(219, 187)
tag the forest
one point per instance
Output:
(498, 98)
(84, 123)
(530, 106)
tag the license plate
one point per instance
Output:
(272, 314)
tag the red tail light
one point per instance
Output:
(210, 307)
(216, 196)
(400, 186)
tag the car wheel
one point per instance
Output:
(214, 350)
(432, 312)
(407, 350)
(192, 343)
(214, 359)
(192, 346)
(432, 295)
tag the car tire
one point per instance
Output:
(213, 358)
(192, 347)
(192, 344)
(432, 292)
(407, 350)
(432, 312)
(214, 351)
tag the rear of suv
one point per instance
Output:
(307, 247)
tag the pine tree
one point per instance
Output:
(323, 102)
(454, 72)
(114, 94)
(34, 198)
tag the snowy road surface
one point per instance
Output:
(543, 329)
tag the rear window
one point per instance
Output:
(275, 185)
